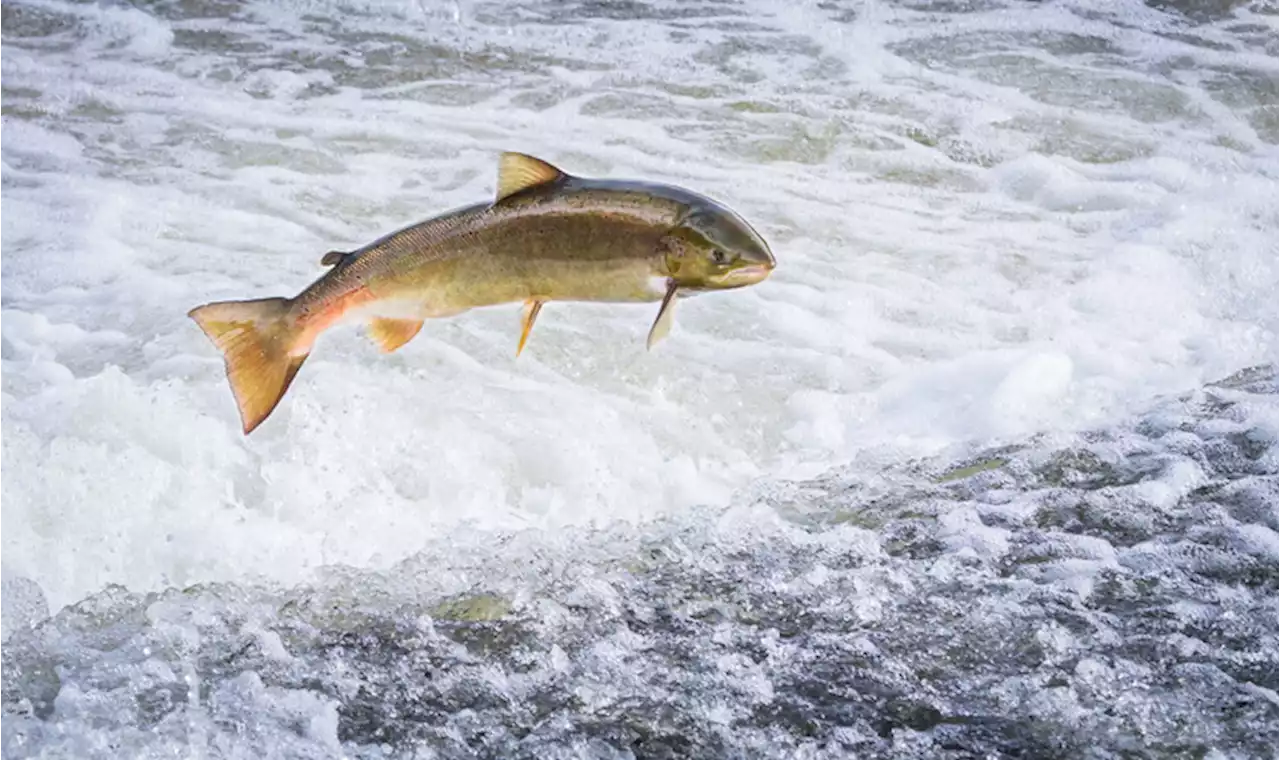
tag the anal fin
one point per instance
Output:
(391, 334)
(531, 309)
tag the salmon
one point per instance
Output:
(546, 236)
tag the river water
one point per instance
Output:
(987, 468)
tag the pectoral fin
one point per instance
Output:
(666, 316)
(391, 334)
(531, 309)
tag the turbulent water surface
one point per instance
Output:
(987, 468)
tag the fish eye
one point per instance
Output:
(719, 257)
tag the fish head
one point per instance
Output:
(712, 248)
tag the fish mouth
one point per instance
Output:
(750, 274)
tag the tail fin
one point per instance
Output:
(256, 340)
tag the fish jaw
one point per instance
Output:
(751, 274)
(739, 277)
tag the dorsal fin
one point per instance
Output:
(517, 172)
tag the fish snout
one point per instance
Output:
(763, 260)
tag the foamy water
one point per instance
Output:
(996, 224)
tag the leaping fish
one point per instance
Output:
(546, 236)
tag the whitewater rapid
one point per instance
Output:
(999, 226)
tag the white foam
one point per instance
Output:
(24, 604)
(962, 258)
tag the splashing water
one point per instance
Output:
(955, 481)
